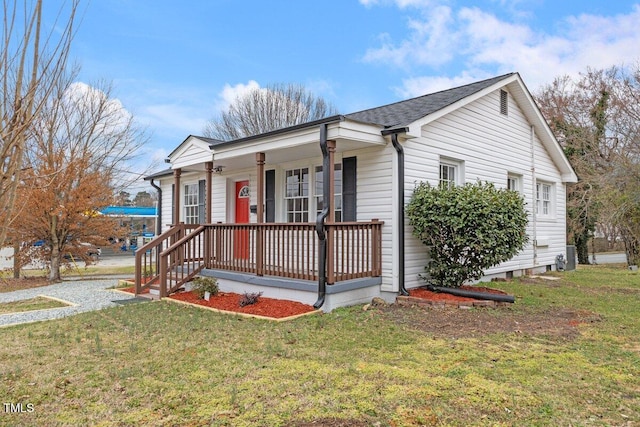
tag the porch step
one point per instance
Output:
(154, 290)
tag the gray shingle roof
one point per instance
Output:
(398, 114)
(160, 174)
(405, 112)
(211, 141)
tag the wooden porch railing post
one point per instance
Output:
(180, 251)
(260, 211)
(138, 274)
(208, 201)
(219, 232)
(376, 250)
(207, 261)
(163, 276)
(208, 191)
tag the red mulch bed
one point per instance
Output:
(278, 308)
(228, 301)
(440, 296)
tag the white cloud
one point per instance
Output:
(430, 41)
(477, 44)
(174, 114)
(419, 86)
(230, 93)
(113, 114)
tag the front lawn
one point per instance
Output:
(567, 353)
(37, 303)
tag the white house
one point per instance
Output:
(250, 211)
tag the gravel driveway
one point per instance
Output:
(84, 294)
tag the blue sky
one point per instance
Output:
(176, 64)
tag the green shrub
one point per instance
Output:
(467, 229)
(200, 285)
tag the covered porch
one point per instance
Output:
(254, 248)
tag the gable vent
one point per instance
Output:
(504, 102)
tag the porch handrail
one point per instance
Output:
(182, 260)
(147, 257)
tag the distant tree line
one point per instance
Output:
(596, 118)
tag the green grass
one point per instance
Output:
(37, 303)
(165, 364)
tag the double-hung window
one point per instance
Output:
(304, 187)
(543, 199)
(297, 195)
(448, 174)
(191, 206)
(337, 186)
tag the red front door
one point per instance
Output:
(241, 247)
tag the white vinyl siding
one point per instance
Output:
(167, 204)
(376, 199)
(488, 146)
(193, 151)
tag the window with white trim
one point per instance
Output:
(191, 204)
(450, 173)
(514, 182)
(297, 195)
(543, 199)
(337, 200)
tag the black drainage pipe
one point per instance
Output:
(322, 238)
(473, 294)
(400, 210)
(158, 229)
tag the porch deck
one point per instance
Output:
(269, 251)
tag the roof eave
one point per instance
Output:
(330, 119)
(160, 174)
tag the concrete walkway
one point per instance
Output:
(84, 295)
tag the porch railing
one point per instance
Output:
(148, 259)
(271, 249)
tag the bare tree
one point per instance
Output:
(597, 120)
(265, 109)
(31, 63)
(76, 157)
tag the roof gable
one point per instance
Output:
(410, 115)
(191, 152)
(193, 140)
(405, 112)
